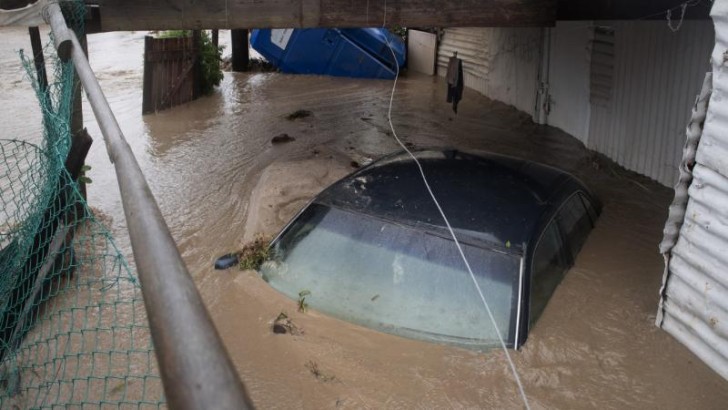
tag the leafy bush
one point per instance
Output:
(210, 58)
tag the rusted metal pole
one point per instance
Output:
(196, 370)
(38, 59)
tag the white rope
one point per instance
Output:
(452, 233)
(683, 7)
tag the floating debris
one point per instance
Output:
(314, 369)
(284, 325)
(282, 138)
(298, 114)
(254, 254)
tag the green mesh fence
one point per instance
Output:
(73, 330)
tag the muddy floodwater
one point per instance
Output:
(220, 182)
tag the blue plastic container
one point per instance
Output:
(374, 41)
(361, 53)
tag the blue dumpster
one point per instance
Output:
(359, 53)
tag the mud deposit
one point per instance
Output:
(219, 182)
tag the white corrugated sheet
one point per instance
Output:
(421, 51)
(515, 57)
(569, 76)
(471, 45)
(657, 74)
(695, 296)
(501, 63)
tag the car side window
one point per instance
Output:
(575, 223)
(547, 269)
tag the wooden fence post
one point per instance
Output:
(147, 87)
(197, 70)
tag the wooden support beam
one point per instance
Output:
(118, 15)
(629, 10)
(240, 48)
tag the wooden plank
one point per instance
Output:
(424, 13)
(170, 66)
(240, 14)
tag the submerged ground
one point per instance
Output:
(219, 182)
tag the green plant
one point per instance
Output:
(399, 30)
(210, 58)
(302, 305)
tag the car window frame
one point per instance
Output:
(589, 211)
(565, 243)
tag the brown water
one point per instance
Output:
(595, 346)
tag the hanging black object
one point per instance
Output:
(454, 81)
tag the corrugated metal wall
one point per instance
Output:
(657, 74)
(695, 298)
(637, 121)
(515, 58)
(501, 63)
(569, 77)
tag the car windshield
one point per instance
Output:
(394, 278)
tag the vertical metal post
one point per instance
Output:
(196, 370)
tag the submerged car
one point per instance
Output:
(373, 249)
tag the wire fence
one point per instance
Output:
(73, 328)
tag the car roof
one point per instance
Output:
(487, 198)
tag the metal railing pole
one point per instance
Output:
(196, 370)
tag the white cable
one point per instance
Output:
(668, 16)
(452, 233)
